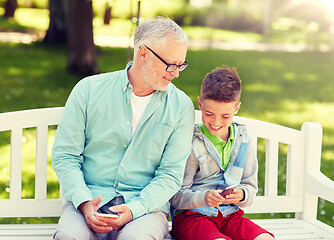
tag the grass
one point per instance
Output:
(283, 88)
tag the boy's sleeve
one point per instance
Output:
(249, 177)
(186, 198)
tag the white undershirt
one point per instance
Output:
(139, 105)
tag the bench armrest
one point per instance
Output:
(320, 185)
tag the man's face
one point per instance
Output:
(217, 116)
(156, 77)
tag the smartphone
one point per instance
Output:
(228, 190)
(107, 215)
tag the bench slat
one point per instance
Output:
(15, 164)
(295, 170)
(270, 187)
(31, 208)
(41, 162)
(30, 118)
(278, 204)
(296, 229)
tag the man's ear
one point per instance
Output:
(142, 52)
(237, 108)
(199, 103)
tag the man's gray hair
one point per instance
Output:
(158, 29)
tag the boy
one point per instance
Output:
(222, 156)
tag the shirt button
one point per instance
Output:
(124, 145)
(122, 164)
(127, 123)
(128, 102)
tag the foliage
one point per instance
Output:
(33, 3)
(312, 12)
(10, 25)
(244, 18)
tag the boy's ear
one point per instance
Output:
(199, 103)
(237, 108)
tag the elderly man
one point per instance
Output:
(123, 140)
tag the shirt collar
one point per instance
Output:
(125, 80)
(215, 139)
(126, 83)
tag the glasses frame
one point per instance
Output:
(181, 67)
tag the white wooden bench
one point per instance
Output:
(304, 181)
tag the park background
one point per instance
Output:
(283, 51)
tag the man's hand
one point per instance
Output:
(89, 210)
(124, 216)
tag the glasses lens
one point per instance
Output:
(171, 67)
(183, 66)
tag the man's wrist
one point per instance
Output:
(82, 205)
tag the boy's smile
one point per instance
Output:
(217, 116)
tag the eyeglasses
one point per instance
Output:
(170, 67)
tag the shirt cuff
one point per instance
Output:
(80, 197)
(136, 208)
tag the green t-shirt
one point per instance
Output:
(223, 148)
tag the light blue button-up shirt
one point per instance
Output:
(93, 154)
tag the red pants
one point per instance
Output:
(195, 226)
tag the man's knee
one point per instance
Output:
(129, 235)
(63, 236)
(148, 227)
(79, 235)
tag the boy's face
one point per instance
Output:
(217, 116)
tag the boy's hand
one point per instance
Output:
(235, 197)
(213, 198)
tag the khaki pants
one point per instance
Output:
(72, 226)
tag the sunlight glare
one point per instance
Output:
(329, 4)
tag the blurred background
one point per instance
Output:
(283, 51)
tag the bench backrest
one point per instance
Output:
(298, 150)
(15, 122)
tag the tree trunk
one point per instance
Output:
(57, 31)
(10, 7)
(107, 14)
(81, 49)
(267, 19)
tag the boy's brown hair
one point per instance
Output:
(222, 84)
